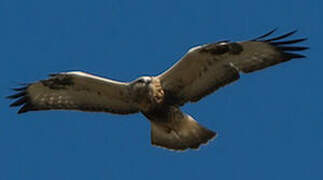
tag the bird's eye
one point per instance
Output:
(141, 81)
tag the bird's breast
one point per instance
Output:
(157, 91)
(153, 97)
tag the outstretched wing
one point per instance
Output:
(75, 91)
(206, 68)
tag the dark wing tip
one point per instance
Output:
(293, 48)
(25, 108)
(20, 89)
(22, 99)
(53, 74)
(264, 35)
(281, 37)
(288, 56)
(288, 42)
(17, 95)
(284, 46)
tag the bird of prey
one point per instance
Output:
(201, 71)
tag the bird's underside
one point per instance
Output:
(202, 70)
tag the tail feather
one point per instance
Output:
(180, 134)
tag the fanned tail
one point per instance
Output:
(181, 134)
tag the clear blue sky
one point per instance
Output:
(269, 123)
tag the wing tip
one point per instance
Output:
(283, 36)
(25, 108)
(284, 47)
(288, 56)
(21, 99)
(53, 74)
(265, 35)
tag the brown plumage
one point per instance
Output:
(200, 72)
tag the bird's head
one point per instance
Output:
(147, 90)
(141, 87)
(144, 80)
(141, 83)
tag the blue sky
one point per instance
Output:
(269, 122)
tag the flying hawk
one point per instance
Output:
(201, 71)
